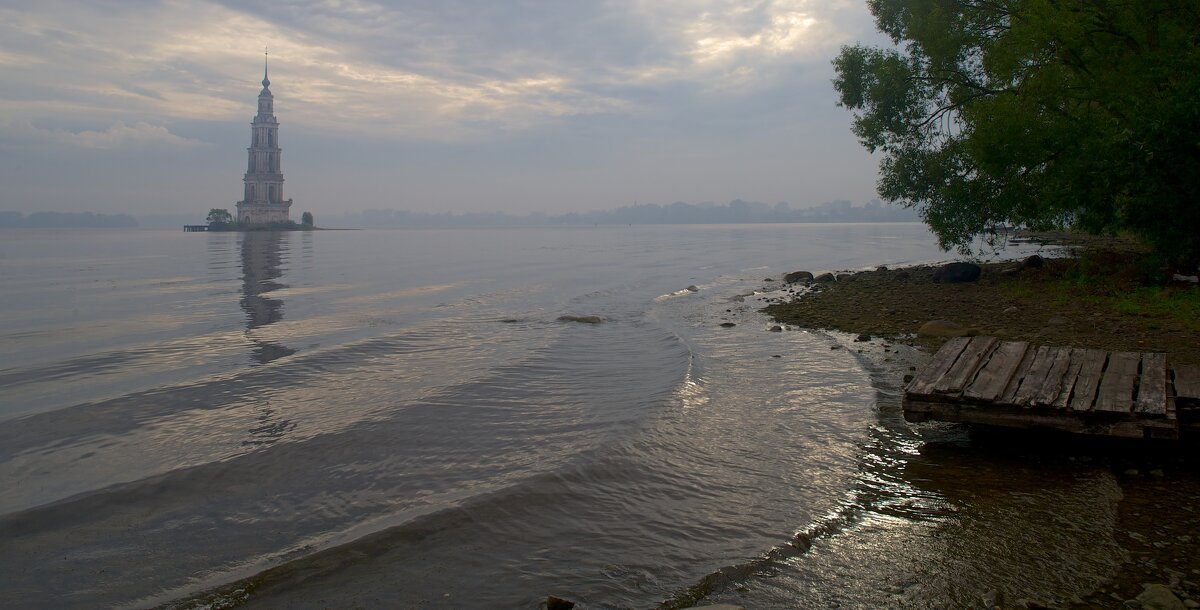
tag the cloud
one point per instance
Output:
(421, 69)
(140, 135)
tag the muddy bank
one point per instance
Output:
(1065, 302)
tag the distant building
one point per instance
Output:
(263, 200)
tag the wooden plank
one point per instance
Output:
(1070, 378)
(1152, 385)
(966, 366)
(997, 372)
(1031, 386)
(1014, 384)
(1055, 385)
(1116, 388)
(1075, 422)
(923, 384)
(1083, 395)
(1187, 382)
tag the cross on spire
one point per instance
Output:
(266, 81)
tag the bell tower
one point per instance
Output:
(262, 199)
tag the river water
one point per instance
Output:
(400, 419)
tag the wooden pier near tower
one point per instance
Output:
(982, 380)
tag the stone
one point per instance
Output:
(798, 276)
(1033, 261)
(581, 319)
(863, 337)
(881, 268)
(558, 603)
(943, 328)
(1012, 310)
(776, 329)
(693, 288)
(957, 273)
(1159, 597)
(825, 277)
(727, 324)
(903, 275)
(718, 607)
(768, 280)
(846, 277)
(909, 377)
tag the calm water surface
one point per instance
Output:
(400, 419)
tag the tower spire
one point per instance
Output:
(266, 81)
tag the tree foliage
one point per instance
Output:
(1042, 113)
(219, 218)
(306, 219)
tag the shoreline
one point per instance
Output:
(878, 314)
(1063, 301)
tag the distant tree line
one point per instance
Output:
(735, 212)
(47, 220)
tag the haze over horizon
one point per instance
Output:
(144, 107)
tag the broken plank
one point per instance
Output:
(1116, 387)
(1031, 386)
(923, 384)
(966, 366)
(1070, 378)
(1014, 384)
(1054, 385)
(1083, 395)
(1152, 385)
(997, 372)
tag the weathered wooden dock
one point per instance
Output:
(983, 380)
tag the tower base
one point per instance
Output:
(263, 212)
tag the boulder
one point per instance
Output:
(957, 273)
(776, 329)
(727, 324)
(692, 288)
(846, 277)
(1159, 597)
(943, 328)
(1033, 261)
(825, 277)
(558, 603)
(798, 276)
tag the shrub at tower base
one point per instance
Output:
(1036, 113)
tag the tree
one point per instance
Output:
(219, 218)
(1041, 113)
(306, 219)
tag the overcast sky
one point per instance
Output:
(142, 106)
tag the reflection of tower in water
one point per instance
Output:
(262, 257)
